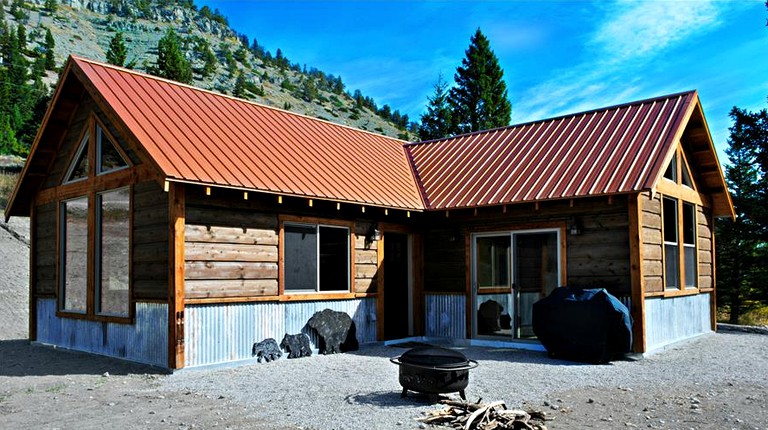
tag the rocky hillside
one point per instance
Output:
(85, 28)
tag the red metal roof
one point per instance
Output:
(202, 137)
(613, 150)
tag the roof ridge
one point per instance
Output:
(558, 117)
(227, 96)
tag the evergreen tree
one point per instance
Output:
(21, 38)
(171, 63)
(51, 6)
(241, 55)
(209, 59)
(309, 90)
(436, 122)
(239, 90)
(229, 59)
(479, 99)
(117, 52)
(8, 142)
(50, 45)
(741, 245)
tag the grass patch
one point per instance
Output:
(756, 317)
(56, 388)
(7, 182)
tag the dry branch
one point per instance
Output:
(484, 416)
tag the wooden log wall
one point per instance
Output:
(232, 246)
(653, 244)
(706, 250)
(597, 258)
(366, 260)
(70, 143)
(229, 253)
(150, 242)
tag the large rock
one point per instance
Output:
(336, 330)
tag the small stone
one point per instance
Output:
(161, 397)
(151, 412)
(629, 425)
(608, 419)
(695, 401)
(111, 404)
(105, 374)
(399, 423)
(590, 400)
(546, 403)
(554, 407)
(422, 426)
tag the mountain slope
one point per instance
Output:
(85, 27)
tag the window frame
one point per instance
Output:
(98, 257)
(317, 293)
(684, 195)
(90, 188)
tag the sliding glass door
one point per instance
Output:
(510, 272)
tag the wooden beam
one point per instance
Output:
(32, 271)
(176, 212)
(635, 214)
(380, 287)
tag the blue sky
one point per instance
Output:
(558, 57)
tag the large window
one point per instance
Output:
(680, 260)
(74, 252)
(95, 230)
(113, 215)
(316, 258)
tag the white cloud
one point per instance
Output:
(637, 29)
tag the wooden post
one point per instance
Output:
(176, 211)
(33, 270)
(635, 214)
(380, 286)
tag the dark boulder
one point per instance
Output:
(336, 330)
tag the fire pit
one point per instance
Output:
(434, 370)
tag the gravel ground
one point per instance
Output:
(717, 381)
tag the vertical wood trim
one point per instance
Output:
(176, 213)
(131, 301)
(91, 255)
(563, 256)
(281, 258)
(352, 257)
(380, 287)
(32, 328)
(468, 283)
(58, 287)
(635, 214)
(713, 293)
(418, 284)
(681, 242)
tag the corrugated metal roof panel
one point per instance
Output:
(613, 150)
(199, 136)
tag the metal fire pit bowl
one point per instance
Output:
(434, 370)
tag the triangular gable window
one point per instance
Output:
(78, 170)
(686, 179)
(109, 158)
(671, 172)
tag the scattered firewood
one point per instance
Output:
(484, 416)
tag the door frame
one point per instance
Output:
(472, 301)
(414, 246)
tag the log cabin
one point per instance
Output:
(175, 226)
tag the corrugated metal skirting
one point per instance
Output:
(145, 341)
(227, 332)
(668, 320)
(446, 315)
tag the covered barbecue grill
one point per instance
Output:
(434, 370)
(587, 325)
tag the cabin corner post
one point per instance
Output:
(176, 212)
(635, 214)
(32, 321)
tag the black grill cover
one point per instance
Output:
(583, 325)
(434, 356)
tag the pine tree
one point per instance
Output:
(50, 46)
(309, 90)
(479, 99)
(436, 122)
(239, 90)
(171, 63)
(210, 63)
(741, 247)
(117, 52)
(21, 38)
(51, 6)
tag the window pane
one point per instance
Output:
(672, 269)
(75, 250)
(493, 261)
(691, 274)
(334, 259)
(671, 172)
(79, 169)
(300, 259)
(689, 224)
(670, 220)
(114, 243)
(109, 158)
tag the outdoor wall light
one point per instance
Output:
(575, 227)
(373, 234)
